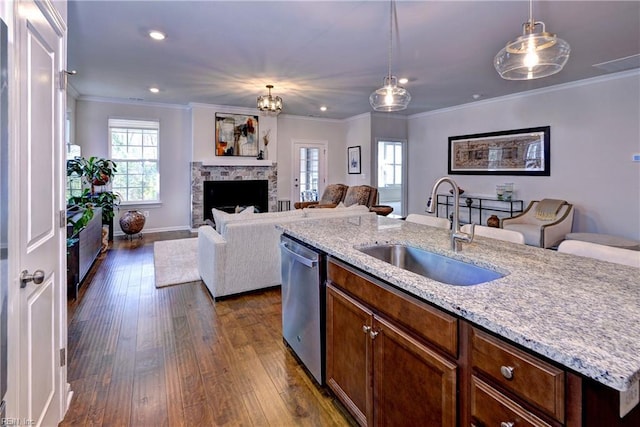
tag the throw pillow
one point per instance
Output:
(249, 210)
(219, 217)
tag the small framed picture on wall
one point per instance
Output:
(353, 158)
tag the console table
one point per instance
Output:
(477, 205)
(82, 254)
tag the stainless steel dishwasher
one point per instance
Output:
(303, 303)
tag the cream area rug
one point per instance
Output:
(175, 261)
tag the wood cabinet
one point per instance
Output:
(529, 378)
(490, 407)
(533, 389)
(348, 352)
(405, 372)
(378, 367)
(82, 254)
(395, 360)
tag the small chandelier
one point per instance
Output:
(390, 97)
(270, 104)
(532, 55)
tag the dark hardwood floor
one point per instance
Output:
(141, 356)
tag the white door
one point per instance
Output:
(40, 36)
(309, 170)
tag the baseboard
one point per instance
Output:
(69, 397)
(158, 230)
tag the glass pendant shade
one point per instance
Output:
(532, 55)
(269, 103)
(390, 97)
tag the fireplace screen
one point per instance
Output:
(227, 195)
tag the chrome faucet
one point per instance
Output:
(457, 236)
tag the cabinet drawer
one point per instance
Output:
(489, 407)
(435, 326)
(533, 380)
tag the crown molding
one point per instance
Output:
(312, 118)
(72, 91)
(548, 89)
(131, 102)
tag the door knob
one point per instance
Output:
(37, 277)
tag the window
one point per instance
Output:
(134, 149)
(389, 163)
(391, 175)
(74, 183)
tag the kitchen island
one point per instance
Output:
(577, 313)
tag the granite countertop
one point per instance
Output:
(580, 312)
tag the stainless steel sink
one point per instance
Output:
(437, 267)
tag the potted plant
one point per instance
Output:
(78, 216)
(94, 171)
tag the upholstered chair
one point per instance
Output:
(433, 221)
(602, 252)
(495, 233)
(543, 223)
(361, 195)
(332, 195)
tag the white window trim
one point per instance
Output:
(138, 124)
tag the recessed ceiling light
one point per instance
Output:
(476, 96)
(403, 81)
(157, 35)
(154, 90)
(323, 108)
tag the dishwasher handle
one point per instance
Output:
(299, 258)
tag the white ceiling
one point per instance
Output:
(331, 53)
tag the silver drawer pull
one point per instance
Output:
(366, 329)
(507, 372)
(507, 424)
(373, 334)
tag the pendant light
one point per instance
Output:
(533, 54)
(390, 97)
(270, 104)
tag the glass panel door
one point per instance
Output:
(309, 158)
(309, 171)
(391, 173)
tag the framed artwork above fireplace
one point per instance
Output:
(236, 135)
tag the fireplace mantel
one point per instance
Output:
(237, 161)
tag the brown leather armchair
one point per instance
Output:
(361, 195)
(332, 195)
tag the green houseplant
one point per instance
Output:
(94, 171)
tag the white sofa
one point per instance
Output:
(243, 253)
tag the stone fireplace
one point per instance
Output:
(202, 173)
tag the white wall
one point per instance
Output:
(358, 130)
(71, 113)
(92, 134)
(292, 128)
(595, 129)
